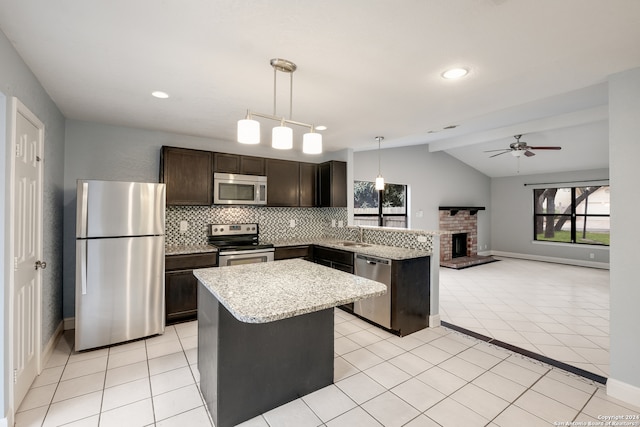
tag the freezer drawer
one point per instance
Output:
(119, 290)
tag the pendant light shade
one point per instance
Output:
(379, 178)
(282, 137)
(248, 131)
(312, 143)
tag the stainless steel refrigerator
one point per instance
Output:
(119, 262)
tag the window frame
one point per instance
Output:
(380, 215)
(573, 218)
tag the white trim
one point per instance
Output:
(434, 321)
(48, 349)
(570, 245)
(568, 261)
(623, 391)
(4, 422)
(69, 323)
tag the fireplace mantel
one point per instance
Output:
(453, 210)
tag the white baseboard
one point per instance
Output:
(48, 349)
(69, 323)
(623, 391)
(4, 422)
(568, 261)
(434, 321)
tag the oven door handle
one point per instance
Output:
(249, 252)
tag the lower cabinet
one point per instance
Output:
(336, 259)
(290, 252)
(181, 286)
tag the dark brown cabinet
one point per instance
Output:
(283, 183)
(337, 259)
(181, 286)
(332, 184)
(298, 251)
(188, 176)
(410, 295)
(234, 163)
(308, 179)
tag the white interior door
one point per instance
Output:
(27, 249)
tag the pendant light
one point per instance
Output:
(379, 178)
(282, 135)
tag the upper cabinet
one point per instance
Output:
(188, 176)
(332, 184)
(283, 183)
(234, 163)
(308, 184)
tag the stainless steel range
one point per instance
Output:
(238, 244)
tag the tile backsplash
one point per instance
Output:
(275, 223)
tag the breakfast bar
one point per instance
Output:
(265, 333)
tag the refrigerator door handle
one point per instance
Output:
(82, 259)
(81, 220)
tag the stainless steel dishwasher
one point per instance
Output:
(376, 309)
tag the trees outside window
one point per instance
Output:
(572, 215)
(368, 210)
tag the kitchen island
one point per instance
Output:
(265, 333)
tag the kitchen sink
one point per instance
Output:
(354, 244)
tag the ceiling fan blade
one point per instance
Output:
(545, 148)
(529, 153)
(504, 152)
(502, 149)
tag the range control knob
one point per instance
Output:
(215, 230)
(222, 229)
(253, 228)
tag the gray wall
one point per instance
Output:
(17, 80)
(100, 151)
(434, 179)
(512, 218)
(624, 152)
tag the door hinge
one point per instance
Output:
(15, 263)
(15, 376)
(18, 150)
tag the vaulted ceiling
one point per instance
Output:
(365, 68)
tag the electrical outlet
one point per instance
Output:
(340, 224)
(422, 239)
(592, 255)
(420, 214)
(292, 223)
(184, 226)
(333, 223)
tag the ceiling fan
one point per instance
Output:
(519, 148)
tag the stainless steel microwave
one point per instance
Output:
(234, 189)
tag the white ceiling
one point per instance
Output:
(365, 68)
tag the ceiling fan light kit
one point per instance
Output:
(282, 135)
(520, 148)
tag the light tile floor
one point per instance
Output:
(556, 310)
(434, 377)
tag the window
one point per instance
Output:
(367, 210)
(572, 215)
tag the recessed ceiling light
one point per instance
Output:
(455, 73)
(321, 127)
(160, 94)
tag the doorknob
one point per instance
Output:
(41, 264)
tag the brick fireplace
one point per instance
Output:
(459, 247)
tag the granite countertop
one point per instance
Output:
(270, 291)
(188, 249)
(380, 251)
